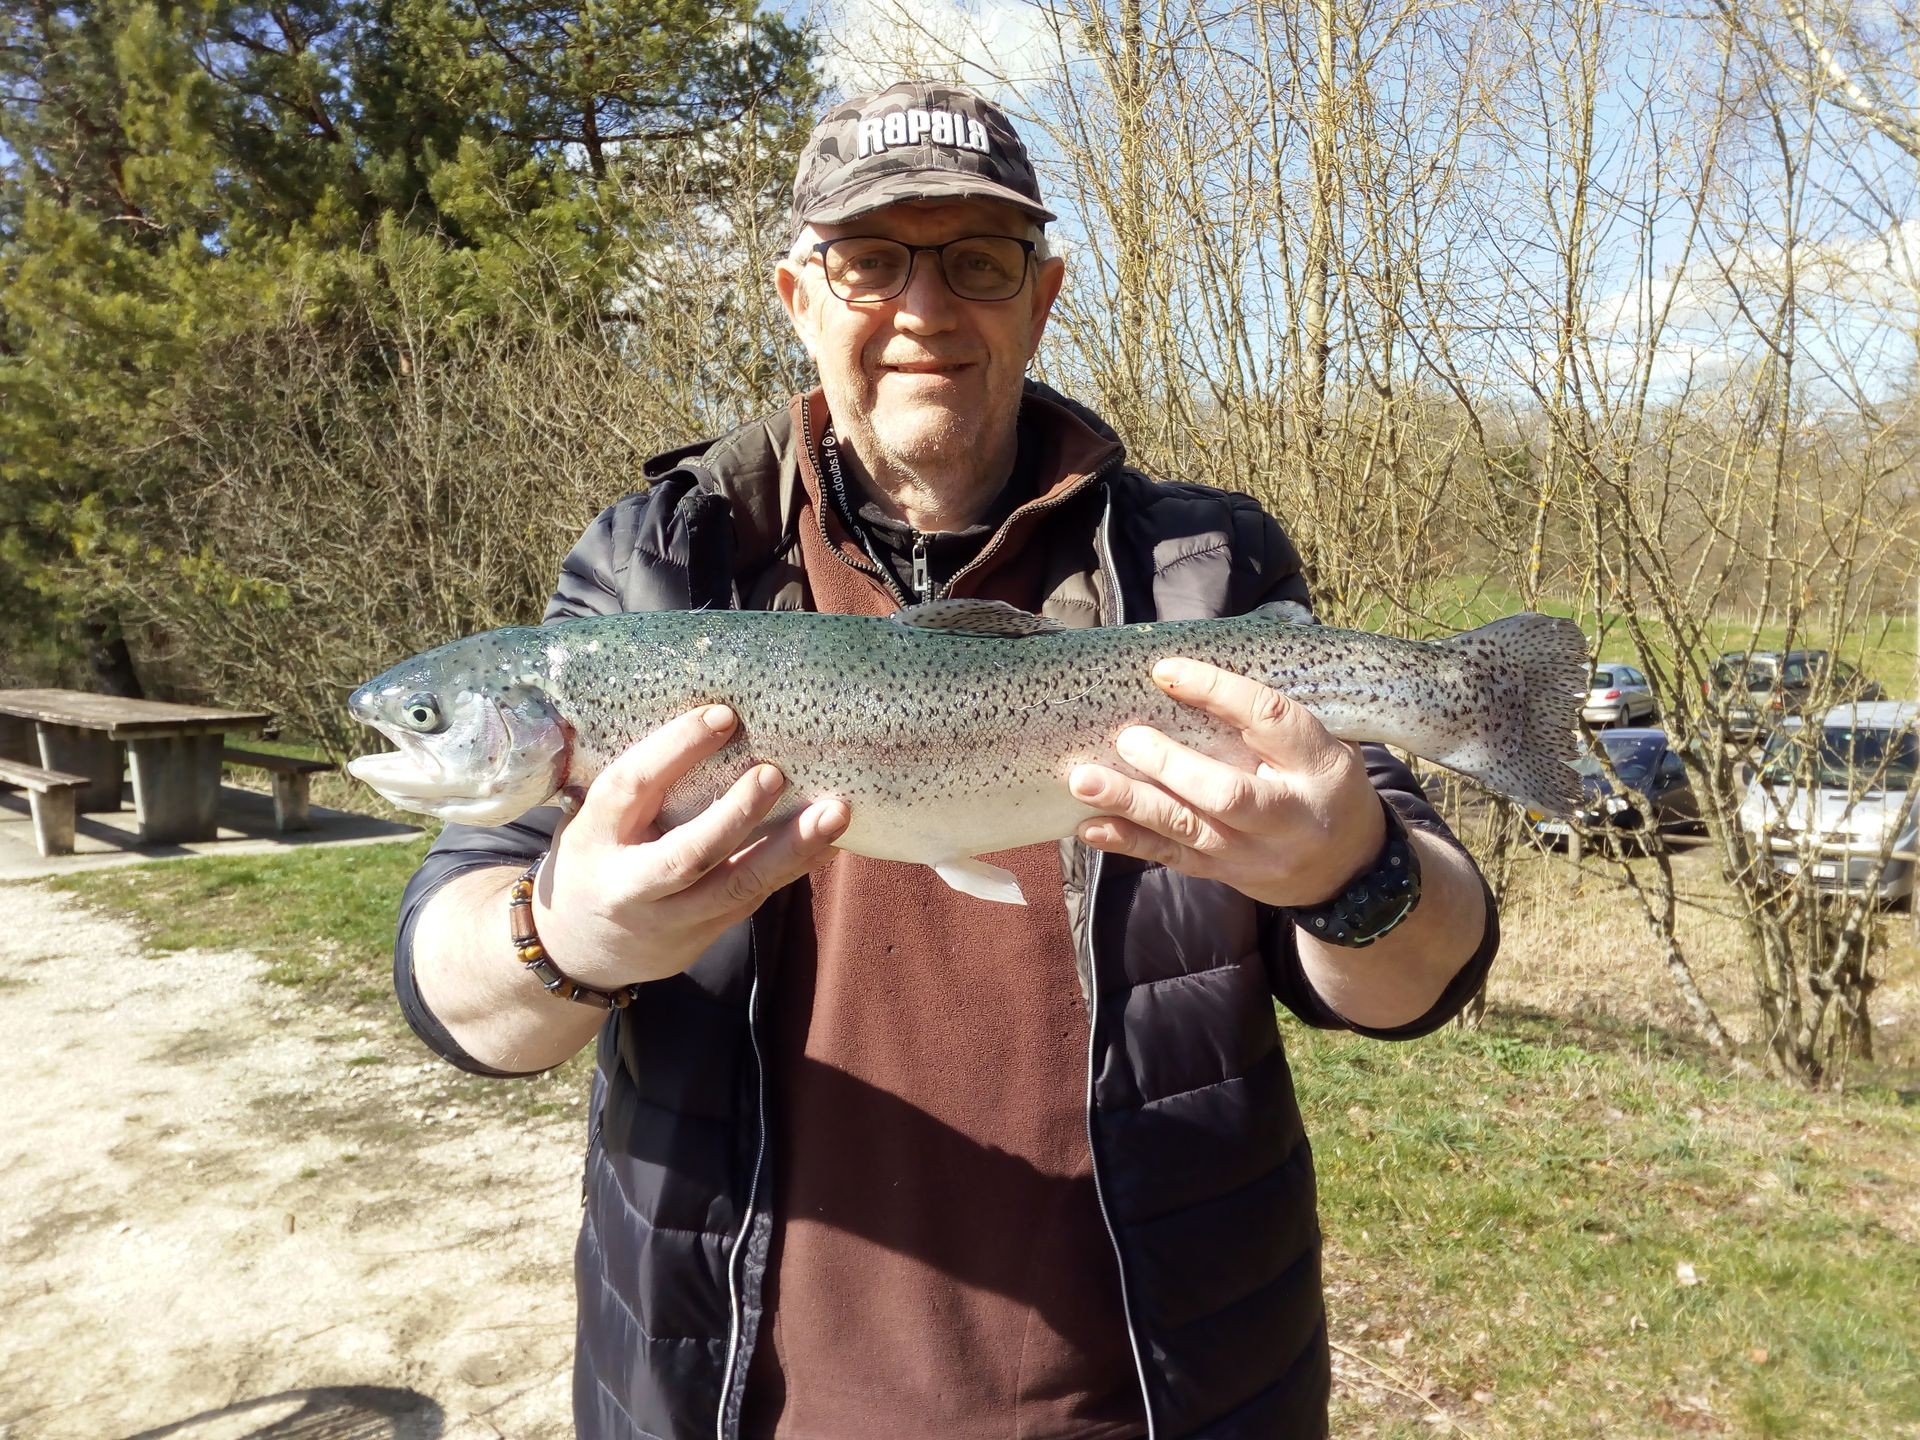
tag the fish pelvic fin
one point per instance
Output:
(1534, 671)
(981, 880)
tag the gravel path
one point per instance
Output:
(228, 1211)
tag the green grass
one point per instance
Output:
(1505, 1216)
(323, 918)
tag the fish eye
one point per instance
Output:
(422, 713)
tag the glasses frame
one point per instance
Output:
(914, 252)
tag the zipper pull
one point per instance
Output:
(922, 577)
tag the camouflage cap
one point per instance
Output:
(912, 141)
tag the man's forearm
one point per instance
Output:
(1397, 979)
(467, 975)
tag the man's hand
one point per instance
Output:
(620, 901)
(1290, 830)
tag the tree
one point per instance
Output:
(174, 172)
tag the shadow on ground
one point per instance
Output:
(351, 1412)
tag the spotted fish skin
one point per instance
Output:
(947, 741)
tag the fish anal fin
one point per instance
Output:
(981, 880)
(975, 617)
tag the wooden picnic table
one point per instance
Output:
(174, 750)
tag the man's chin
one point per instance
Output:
(929, 435)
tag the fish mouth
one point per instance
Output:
(423, 774)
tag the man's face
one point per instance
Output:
(930, 379)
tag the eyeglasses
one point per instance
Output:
(862, 269)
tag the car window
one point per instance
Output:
(1633, 758)
(1794, 672)
(1672, 767)
(1868, 755)
(1602, 679)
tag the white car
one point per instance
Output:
(1618, 694)
(1834, 813)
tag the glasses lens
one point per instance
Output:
(867, 268)
(985, 267)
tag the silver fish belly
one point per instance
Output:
(950, 728)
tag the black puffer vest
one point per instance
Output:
(1201, 1161)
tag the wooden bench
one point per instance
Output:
(51, 794)
(290, 777)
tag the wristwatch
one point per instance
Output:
(1374, 901)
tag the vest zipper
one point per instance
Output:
(727, 1382)
(1103, 553)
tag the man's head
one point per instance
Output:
(925, 381)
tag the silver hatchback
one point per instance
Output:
(1618, 694)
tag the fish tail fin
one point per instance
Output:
(1535, 669)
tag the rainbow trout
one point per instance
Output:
(949, 728)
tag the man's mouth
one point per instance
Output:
(928, 367)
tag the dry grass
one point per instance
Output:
(1575, 947)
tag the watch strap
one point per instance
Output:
(1373, 902)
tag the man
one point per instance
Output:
(866, 1156)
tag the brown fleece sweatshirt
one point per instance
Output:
(940, 1265)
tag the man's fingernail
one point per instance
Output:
(831, 818)
(769, 779)
(1169, 672)
(1133, 743)
(1083, 782)
(1097, 834)
(717, 718)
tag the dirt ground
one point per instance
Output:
(228, 1212)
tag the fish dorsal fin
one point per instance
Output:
(1291, 611)
(975, 617)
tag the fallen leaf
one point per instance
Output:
(1758, 1355)
(1683, 1272)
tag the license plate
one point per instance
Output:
(1826, 870)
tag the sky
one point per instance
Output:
(1858, 275)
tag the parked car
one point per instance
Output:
(1761, 688)
(1618, 695)
(1655, 778)
(1833, 812)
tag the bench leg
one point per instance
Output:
(290, 803)
(176, 787)
(88, 753)
(53, 820)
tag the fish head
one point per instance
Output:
(478, 739)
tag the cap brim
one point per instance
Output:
(885, 190)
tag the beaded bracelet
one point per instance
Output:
(533, 955)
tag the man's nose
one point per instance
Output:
(926, 304)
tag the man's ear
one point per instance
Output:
(1048, 276)
(791, 282)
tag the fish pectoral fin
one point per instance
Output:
(993, 618)
(981, 880)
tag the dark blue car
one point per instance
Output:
(1655, 780)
